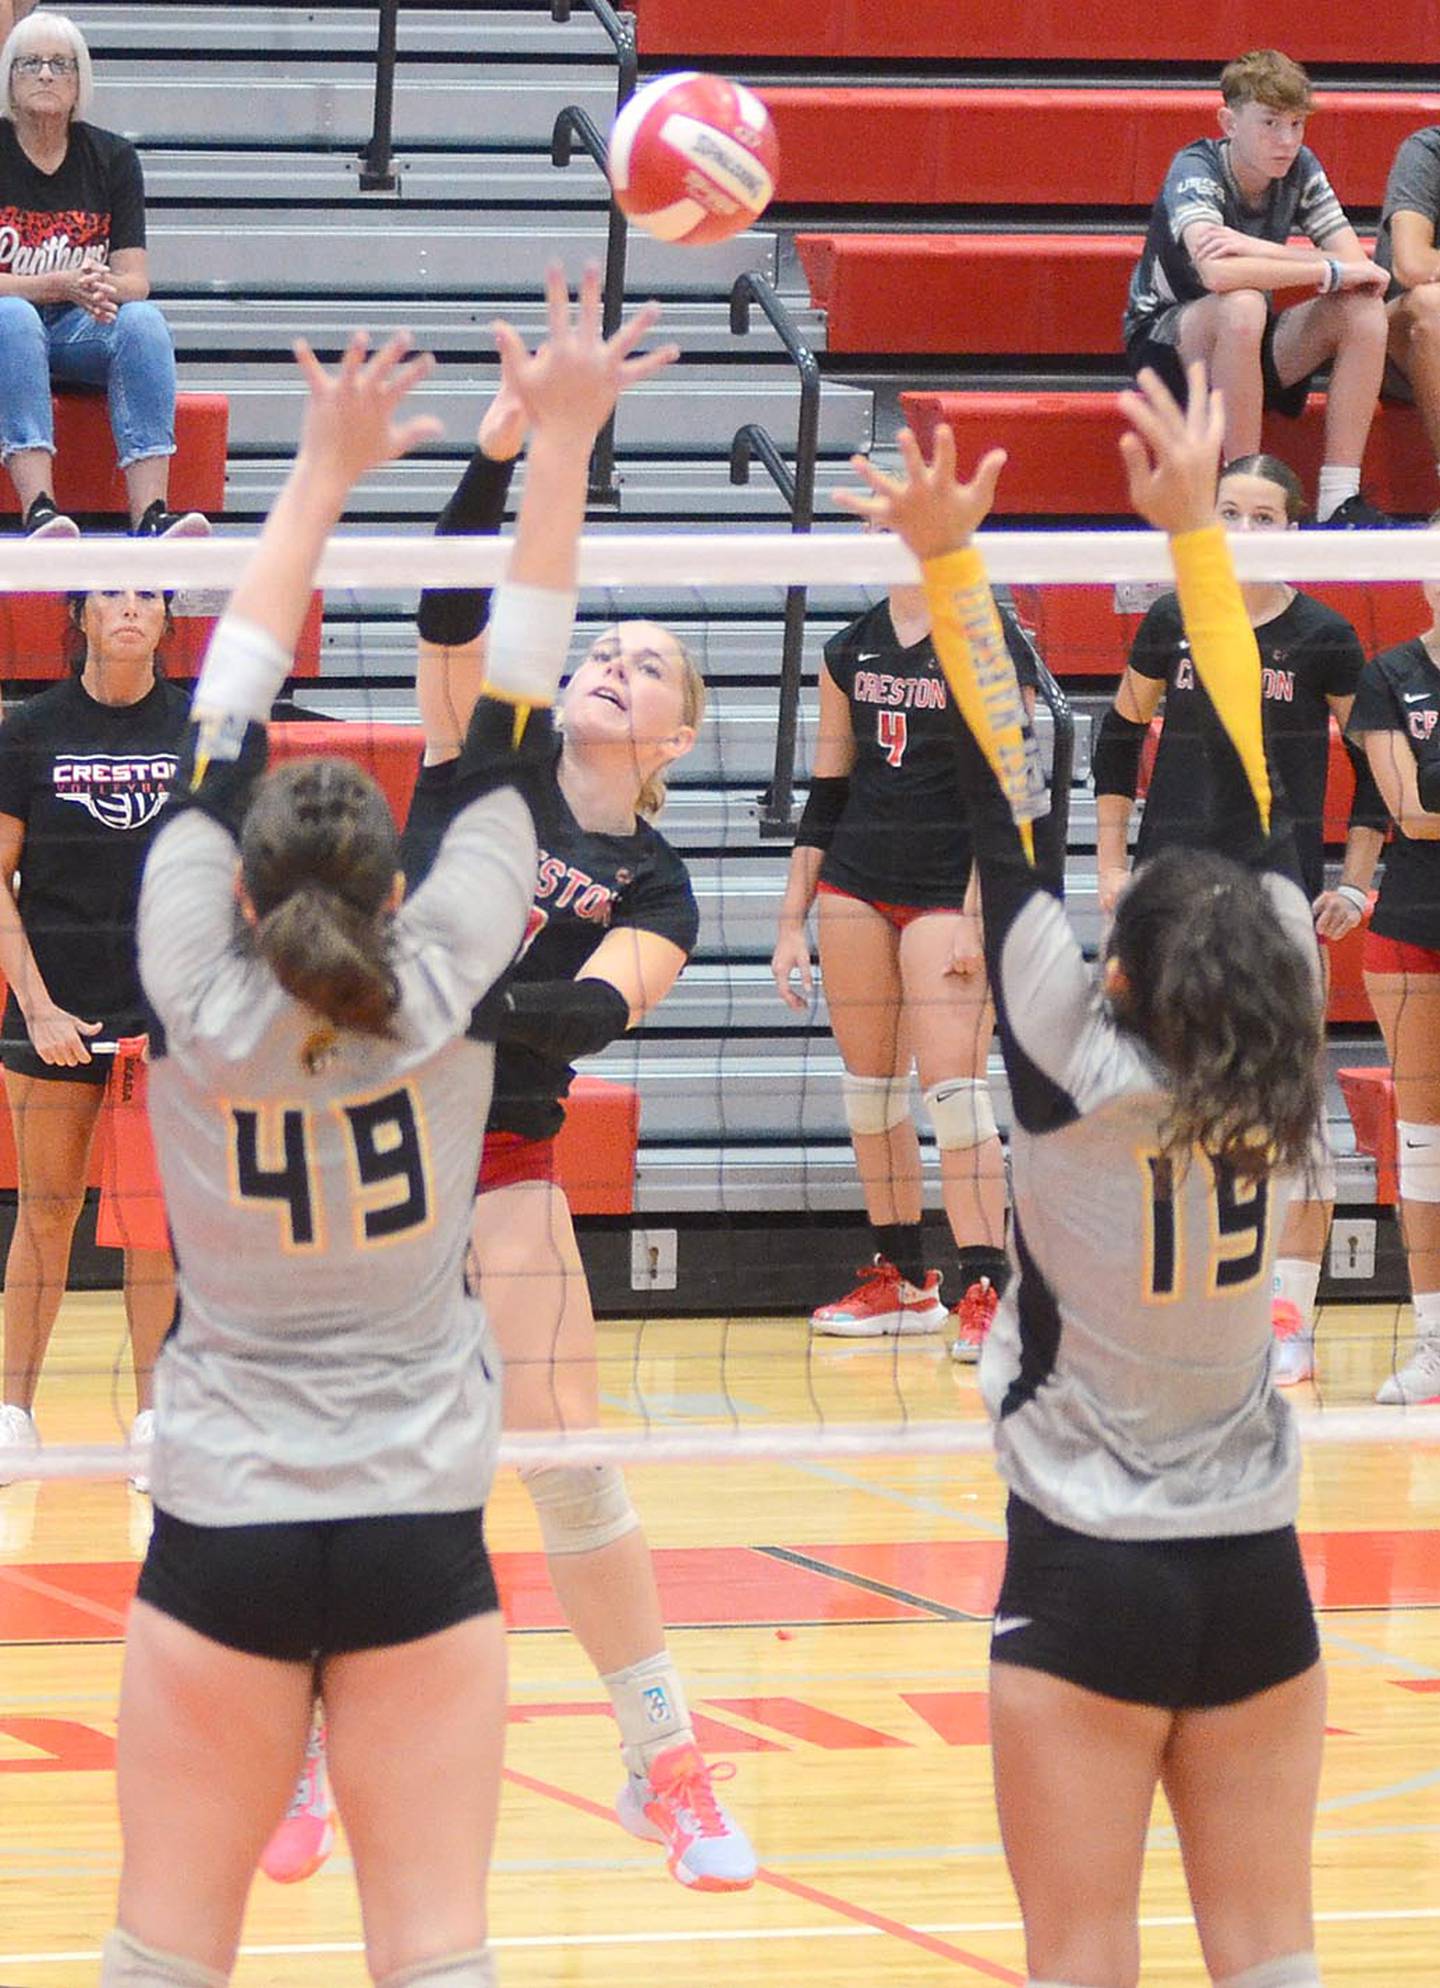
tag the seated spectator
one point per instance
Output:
(1219, 244)
(74, 282)
(1406, 247)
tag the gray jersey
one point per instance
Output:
(1412, 188)
(327, 1360)
(1128, 1370)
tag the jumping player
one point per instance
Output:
(613, 922)
(329, 1405)
(1311, 660)
(1397, 720)
(883, 847)
(1154, 1623)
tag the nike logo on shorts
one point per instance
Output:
(1005, 1624)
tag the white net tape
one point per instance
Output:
(730, 559)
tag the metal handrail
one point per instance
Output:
(1054, 827)
(620, 27)
(797, 487)
(376, 170)
(576, 126)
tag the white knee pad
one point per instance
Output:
(125, 1963)
(962, 1113)
(457, 1970)
(580, 1506)
(1291, 1970)
(874, 1104)
(1419, 1147)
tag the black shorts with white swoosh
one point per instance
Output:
(1178, 1623)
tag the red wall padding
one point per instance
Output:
(1064, 458)
(1047, 147)
(87, 477)
(1407, 31)
(33, 640)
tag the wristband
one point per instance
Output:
(1332, 279)
(243, 671)
(529, 642)
(1356, 898)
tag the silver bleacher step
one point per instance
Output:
(203, 326)
(489, 179)
(280, 102)
(676, 414)
(322, 33)
(723, 649)
(410, 495)
(393, 251)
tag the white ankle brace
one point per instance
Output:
(1291, 1970)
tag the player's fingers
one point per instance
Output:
(557, 300)
(307, 362)
(879, 480)
(875, 510)
(987, 476)
(413, 434)
(404, 379)
(511, 347)
(635, 328)
(942, 456)
(1136, 459)
(1146, 421)
(588, 317)
(381, 368)
(356, 352)
(648, 364)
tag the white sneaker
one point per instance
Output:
(142, 1435)
(1417, 1381)
(675, 1804)
(17, 1435)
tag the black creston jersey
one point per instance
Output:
(587, 884)
(88, 780)
(1400, 692)
(1308, 653)
(904, 837)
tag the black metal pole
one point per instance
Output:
(375, 171)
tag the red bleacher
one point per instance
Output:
(1064, 460)
(1051, 30)
(89, 482)
(1047, 147)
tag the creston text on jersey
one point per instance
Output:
(572, 889)
(914, 693)
(119, 790)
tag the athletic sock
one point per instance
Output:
(457, 1970)
(1334, 487)
(128, 1963)
(903, 1244)
(1291, 1970)
(650, 1709)
(979, 1260)
(1427, 1314)
(1297, 1280)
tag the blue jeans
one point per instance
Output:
(59, 344)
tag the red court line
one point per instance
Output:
(860, 1915)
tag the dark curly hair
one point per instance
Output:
(1224, 998)
(318, 854)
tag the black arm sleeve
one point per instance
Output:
(824, 805)
(1115, 755)
(221, 762)
(450, 617)
(558, 1019)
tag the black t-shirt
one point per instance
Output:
(903, 837)
(91, 205)
(88, 781)
(1400, 692)
(586, 885)
(1307, 654)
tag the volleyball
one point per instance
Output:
(693, 158)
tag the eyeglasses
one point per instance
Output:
(58, 65)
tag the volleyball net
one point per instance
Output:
(714, 1225)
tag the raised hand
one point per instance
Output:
(1172, 455)
(926, 506)
(351, 423)
(569, 386)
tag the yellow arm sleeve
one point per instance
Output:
(970, 644)
(1225, 652)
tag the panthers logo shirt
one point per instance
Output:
(88, 781)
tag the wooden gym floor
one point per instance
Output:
(830, 1620)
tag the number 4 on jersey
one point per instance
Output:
(892, 729)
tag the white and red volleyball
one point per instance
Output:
(693, 158)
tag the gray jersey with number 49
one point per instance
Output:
(327, 1361)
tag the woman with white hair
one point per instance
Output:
(75, 283)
